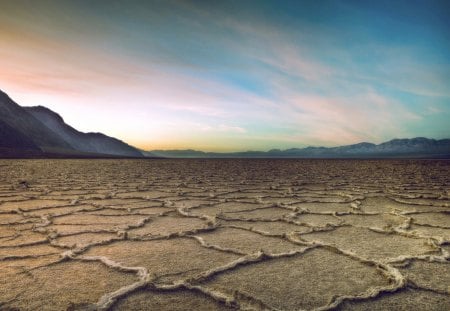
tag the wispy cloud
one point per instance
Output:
(223, 128)
(178, 71)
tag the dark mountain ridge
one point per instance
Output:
(39, 132)
(85, 142)
(21, 124)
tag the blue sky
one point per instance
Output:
(233, 75)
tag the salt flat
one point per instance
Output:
(224, 234)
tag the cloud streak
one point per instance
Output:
(231, 76)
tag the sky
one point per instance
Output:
(233, 75)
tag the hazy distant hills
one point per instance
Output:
(397, 148)
(38, 131)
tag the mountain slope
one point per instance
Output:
(85, 142)
(40, 132)
(20, 124)
(12, 138)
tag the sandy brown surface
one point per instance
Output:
(224, 235)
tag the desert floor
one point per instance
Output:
(224, 235)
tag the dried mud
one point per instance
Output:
(225, 235)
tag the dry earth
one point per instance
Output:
(224, 235)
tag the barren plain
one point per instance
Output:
(224, 234)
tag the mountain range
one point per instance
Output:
(418, 147)
(38, 132)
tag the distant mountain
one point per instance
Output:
(39, 132)
(418, 147)
(188, 153)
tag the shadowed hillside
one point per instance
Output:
(40, 132)
(86, 142)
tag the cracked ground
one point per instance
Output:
(224, 235)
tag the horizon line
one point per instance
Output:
(299, 148)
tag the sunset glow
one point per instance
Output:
(239, 75)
